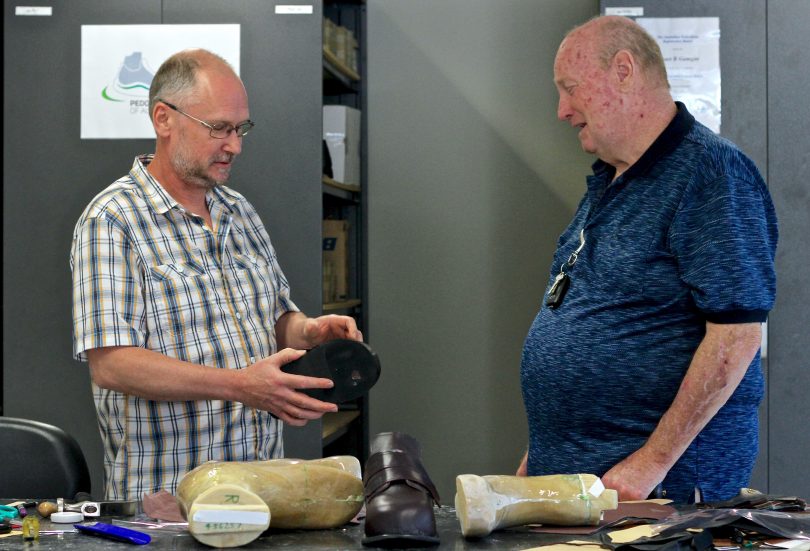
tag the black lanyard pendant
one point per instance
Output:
(556, 293)
(559, 287)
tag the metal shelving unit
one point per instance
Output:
(346, 431)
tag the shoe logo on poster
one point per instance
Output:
(131, 81)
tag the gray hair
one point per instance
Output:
(176, 79)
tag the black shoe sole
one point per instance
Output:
(351, 365)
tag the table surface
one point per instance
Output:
(347, 537)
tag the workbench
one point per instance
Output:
(347, 537)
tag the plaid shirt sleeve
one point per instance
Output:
(107, 302)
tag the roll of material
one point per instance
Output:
(66, 517)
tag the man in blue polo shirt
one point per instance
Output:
(643, 364)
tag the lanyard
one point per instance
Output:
(559, 287)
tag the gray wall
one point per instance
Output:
(789, 163)
(49, 175)
(471, 180)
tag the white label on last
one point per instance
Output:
(597, 488)
(220, 515)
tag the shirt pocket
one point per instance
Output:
(183, 303)
(256, 281)
(177, 271)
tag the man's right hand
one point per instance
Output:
(268, 388)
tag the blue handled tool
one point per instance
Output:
(112, 532)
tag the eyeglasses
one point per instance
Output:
(220, 130)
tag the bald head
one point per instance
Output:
(612, 84)
(611, 34)
(178, 76)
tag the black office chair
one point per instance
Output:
(40, 461)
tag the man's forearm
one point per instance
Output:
(290, 331)
(717, 368)
(154, 376)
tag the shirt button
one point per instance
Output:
(253, 359)
(238, 316)
(180, 269)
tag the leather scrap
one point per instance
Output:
(162, 505)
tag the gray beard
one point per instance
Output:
(194, 174)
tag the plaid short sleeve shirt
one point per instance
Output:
(150, 274)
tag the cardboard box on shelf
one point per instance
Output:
(335, 260)
(342, 41)
(352, 53)
(341, 130)
(329, 34)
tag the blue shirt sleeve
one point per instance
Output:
(724, 236)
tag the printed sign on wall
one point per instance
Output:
(118, 63)
(691, 50)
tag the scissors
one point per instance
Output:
(9, 512)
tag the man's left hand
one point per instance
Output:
(326, 328)
(634, 477)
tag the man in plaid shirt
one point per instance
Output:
(179, 303)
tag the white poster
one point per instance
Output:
(691, 49)
(118, 63)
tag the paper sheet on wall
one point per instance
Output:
(691, 50)
(117, 66)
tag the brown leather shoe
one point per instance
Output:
(399, 494)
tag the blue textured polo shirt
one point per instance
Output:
(686, 235)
